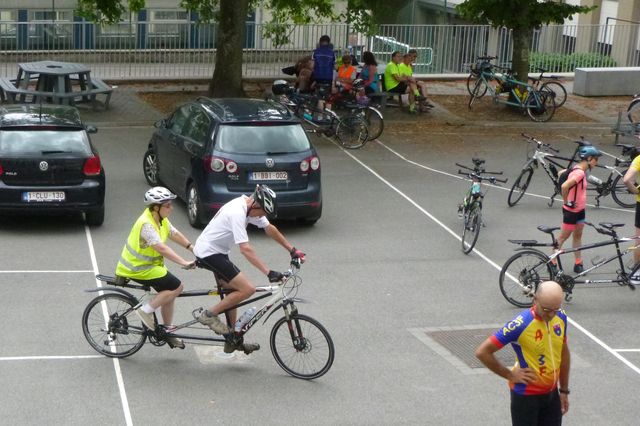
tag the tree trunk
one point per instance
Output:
(521, 46)
(227, 74)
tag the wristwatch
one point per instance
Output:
(564, 391)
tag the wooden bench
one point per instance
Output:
(16, 94)
(614, 81)
(100, 88)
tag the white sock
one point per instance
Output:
(147, 309)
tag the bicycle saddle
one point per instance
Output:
(583, 143)
(610, 225)
(548, 229)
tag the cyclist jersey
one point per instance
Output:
(364, 74)
(635, 165)
(538, 345)
(228, 227)
(578, 192)
(324, 63)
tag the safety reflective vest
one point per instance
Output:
(143, 263)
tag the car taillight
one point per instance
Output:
(91, 166)
(311, 162)
(217, 164)
(1, 169)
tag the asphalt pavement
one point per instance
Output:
(385, 275)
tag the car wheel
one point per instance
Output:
(95, 217)
(150, 167)
(194, 207)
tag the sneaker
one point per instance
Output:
(460, 211)
(174, 342)
(147, 319)
(249, 347)
(213, 322)
(578, 268)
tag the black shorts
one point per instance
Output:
(571, 219)
(400, 88)
(220, 265)
(637, 214)
(168, 282)
(536, 409)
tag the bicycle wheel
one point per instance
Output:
(521, 275)
(471, 227)
(302, 346)
(375, 122)
(352, 132)
(621, 194)
(540, 105)
(472, 81)
(633, 111)
(478, 91)
(520, 186)
(107, 326)
(555, 87)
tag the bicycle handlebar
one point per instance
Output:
(477, 176)
(487, 58)
(539, 143)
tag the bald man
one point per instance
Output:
(539, 380)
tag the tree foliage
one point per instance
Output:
(231, 16)
(522, 16)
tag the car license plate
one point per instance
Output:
(43, 196)
(269, 176)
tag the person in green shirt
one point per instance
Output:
(418, 88)
(395, 82)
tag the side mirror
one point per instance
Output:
(91, 129)
(160, 124)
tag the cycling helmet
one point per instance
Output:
(357, 84)
(158, 195)
(279, 87)
(589, 151)
(265, 196)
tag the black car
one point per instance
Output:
(210, 151)
(48, 163)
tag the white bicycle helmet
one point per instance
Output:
(265, 196)
(158, 195)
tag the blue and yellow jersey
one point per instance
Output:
(538, 345)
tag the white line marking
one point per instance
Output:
(48, 272)
(489, 261)
(32, 358)
(116, 362)
(626, 350)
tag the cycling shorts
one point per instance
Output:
(637, 214)
(572, 219)
(221, 266)
(400, 88)
(168, 282)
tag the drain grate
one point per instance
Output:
(458, 344)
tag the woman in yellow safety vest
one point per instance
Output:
(142, 258)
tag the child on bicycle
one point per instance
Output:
(142, 258)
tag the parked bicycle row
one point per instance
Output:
(570, 177)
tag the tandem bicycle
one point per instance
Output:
(300, 345)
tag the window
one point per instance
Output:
(198, 127)
(250, 139)
(174, 22)
(41, 142)
(50, 29)
(121, 35)
(178, 120)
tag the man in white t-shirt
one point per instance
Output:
(227, 228)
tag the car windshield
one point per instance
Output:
(39, 142)
(262, 139)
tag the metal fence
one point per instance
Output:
(183, 49)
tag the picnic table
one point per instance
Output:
(56, 82)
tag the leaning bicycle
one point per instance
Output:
(300, 344)
(551, 83)
(471, 208)
(545, 156)
(525, 270)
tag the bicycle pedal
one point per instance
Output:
(632, 287)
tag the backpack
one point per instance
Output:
(563, 175)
